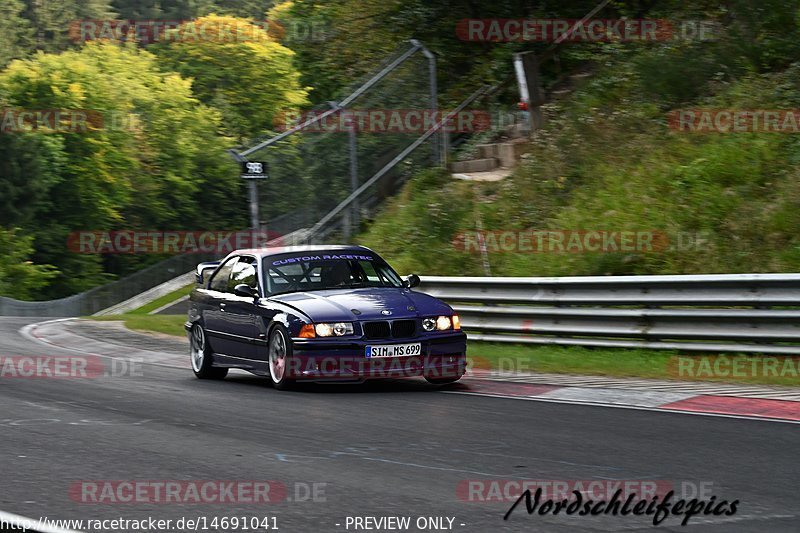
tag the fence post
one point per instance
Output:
(438, 143)
(354, 210)
(527, 66)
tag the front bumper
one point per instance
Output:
(443, 356)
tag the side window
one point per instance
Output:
(244, 271)
(370, 272)
(220, 280)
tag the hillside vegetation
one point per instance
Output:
(607, 160)
(167, 110)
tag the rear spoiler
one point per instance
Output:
(203, 269)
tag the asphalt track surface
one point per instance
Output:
(396, 448)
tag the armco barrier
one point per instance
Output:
(730, 312)
(105, 296)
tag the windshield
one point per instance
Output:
(313, 272)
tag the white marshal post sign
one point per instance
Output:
(254, 171)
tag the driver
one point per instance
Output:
(337, 275)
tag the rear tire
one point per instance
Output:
(201, 357)
(279, 354)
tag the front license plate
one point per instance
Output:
(394, 350)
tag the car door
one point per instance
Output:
(214, 314)
(240, 317)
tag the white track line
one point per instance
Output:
(27, 332)
(168, 305)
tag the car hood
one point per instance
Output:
(344, 305)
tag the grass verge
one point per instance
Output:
(164, 300)
(167, 324)
(655, 364)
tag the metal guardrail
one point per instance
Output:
(731, 312)
(718, 313)
(105, 296)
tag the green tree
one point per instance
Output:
(362, 33)
(252, 9)
(19, 277)
(189, 9)
(237, 68)
(51, 20)
(162, 9)
(152, 156)
(14, 31)
(28, 173)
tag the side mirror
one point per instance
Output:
(203, 270)
(245, 290)
(411, 281)
(202, 276)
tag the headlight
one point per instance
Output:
(440, 323)
(338, 329)
(443, 323)
(324, 330)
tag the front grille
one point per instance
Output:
(402, 329)
(376, 330)
(399, 329)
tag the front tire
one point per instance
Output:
(279, 355)
(200, 354)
